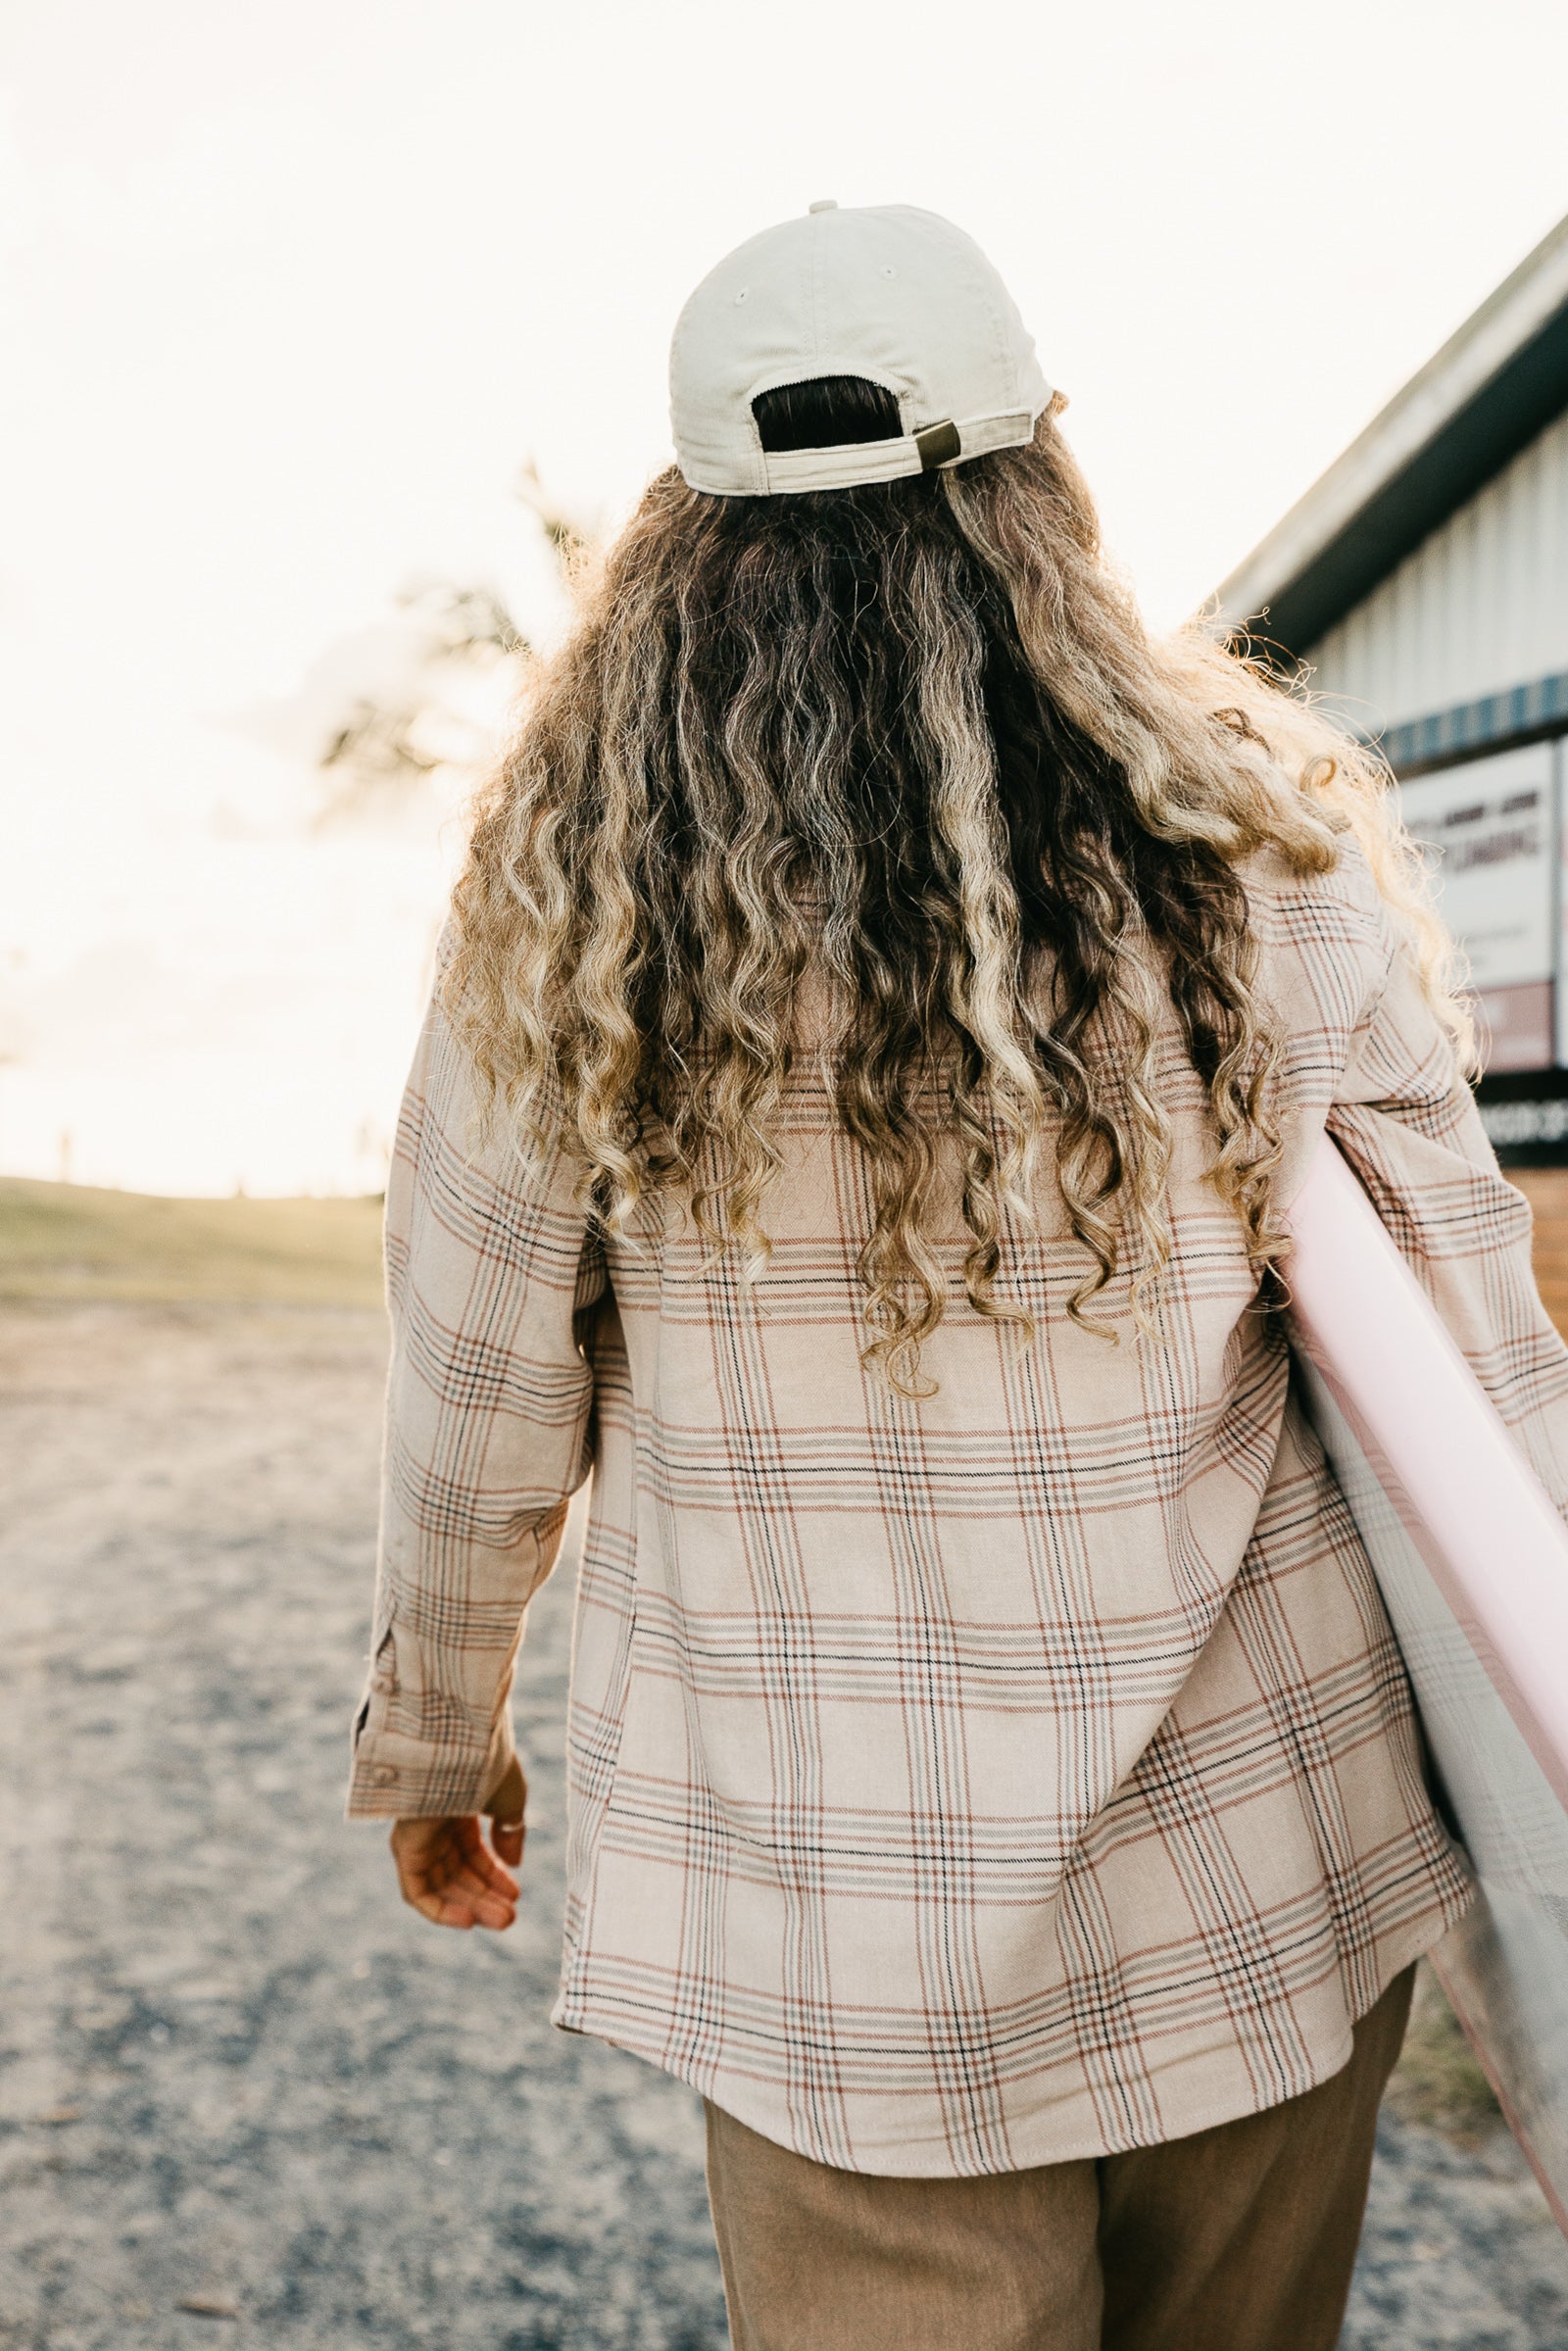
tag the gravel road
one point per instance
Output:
(244, 2095)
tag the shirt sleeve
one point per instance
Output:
(1407, 1122)
(492, 1266)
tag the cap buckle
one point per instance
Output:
(937, 445)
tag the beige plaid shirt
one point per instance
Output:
(1024, 1774)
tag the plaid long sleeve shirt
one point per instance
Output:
(1022, 1774)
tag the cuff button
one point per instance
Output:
(384, 1774)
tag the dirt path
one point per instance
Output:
(234, 2068)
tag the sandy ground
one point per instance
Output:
(236, 2072)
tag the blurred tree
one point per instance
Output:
(402, 716)
(572, 540)
(469, 661)
(393, 737)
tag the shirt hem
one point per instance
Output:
(1033, 2147)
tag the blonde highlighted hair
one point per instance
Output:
(913, 741)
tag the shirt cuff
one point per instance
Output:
(394, 1777)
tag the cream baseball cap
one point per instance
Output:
(883, 291)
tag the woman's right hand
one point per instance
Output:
(447, 1872)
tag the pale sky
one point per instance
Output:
(288, 291)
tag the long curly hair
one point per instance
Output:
(905, 751)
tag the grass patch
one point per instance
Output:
(1437, 2080)
(69, 1242)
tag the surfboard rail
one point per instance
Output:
(1485, 1527)
(1471, 1557)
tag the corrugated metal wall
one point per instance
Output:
(1481, 605)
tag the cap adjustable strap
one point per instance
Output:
(855, 462)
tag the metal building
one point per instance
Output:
(1424, 581)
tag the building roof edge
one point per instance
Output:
(1501, 375)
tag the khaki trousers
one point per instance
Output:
(1240, 2238)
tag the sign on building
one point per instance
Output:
(1492, 829)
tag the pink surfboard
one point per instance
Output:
(1472, 1559)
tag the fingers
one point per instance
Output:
(438, 1879)
(450, 1910)
(506, 1809)
(465, 1885)
(487, 1866)
(462, 1906)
